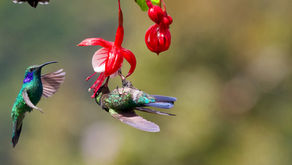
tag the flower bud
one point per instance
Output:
(157, 38)
(167, 20)
(155, 13)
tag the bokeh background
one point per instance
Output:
(229, 65)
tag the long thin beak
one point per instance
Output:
(51, 62)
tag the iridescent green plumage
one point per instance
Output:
(33, 88)
(126, 98)
(122, 102)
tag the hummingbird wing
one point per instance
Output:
(132, 119)
(44, 2)
(143, 109)
(33, 3)
(28, 102)
(18, 1)
(52, 81)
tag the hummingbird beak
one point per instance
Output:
(98, 92)
(51, 62)
(102, 90)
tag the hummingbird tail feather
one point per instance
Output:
(16, 132)
(159, 98)
(163, 105)
(164, 102)
(143, 109)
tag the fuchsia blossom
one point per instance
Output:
(108, 60)
(158, 37)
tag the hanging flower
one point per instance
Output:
(158, 37)
(108, 60)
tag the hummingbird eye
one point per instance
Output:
(31, 69)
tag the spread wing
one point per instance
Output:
(148, 110)
(132, 119)
(52, 81)
(28, 102)
(44, 2)
(33, 3)
(18, 1)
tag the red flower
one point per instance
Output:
(158, 37)
(108, 60)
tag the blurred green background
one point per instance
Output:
(229, 65)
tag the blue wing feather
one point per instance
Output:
(159, 98)
(163, 105)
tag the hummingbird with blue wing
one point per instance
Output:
(33, 88)
(32, 3)
(122, 102)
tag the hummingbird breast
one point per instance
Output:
(35, 92)
(127, 99)
(120, 102)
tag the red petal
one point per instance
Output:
(113, 62)
(99, 60)
(130, 57)
(89, 77)
(97, 84)
(95, 42)
(97, 81)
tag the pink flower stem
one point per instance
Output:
(98, 80)
(89, 77)
(98, 84)
(149, 3)
(164, 6)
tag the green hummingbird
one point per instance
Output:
(33, 88)
(122, 102)
(32, 3)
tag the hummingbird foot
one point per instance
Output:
(121, 75)
(39, 109)
(125, 82)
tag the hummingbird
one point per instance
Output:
(32, 3)
(33, 88)
(122, 102)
